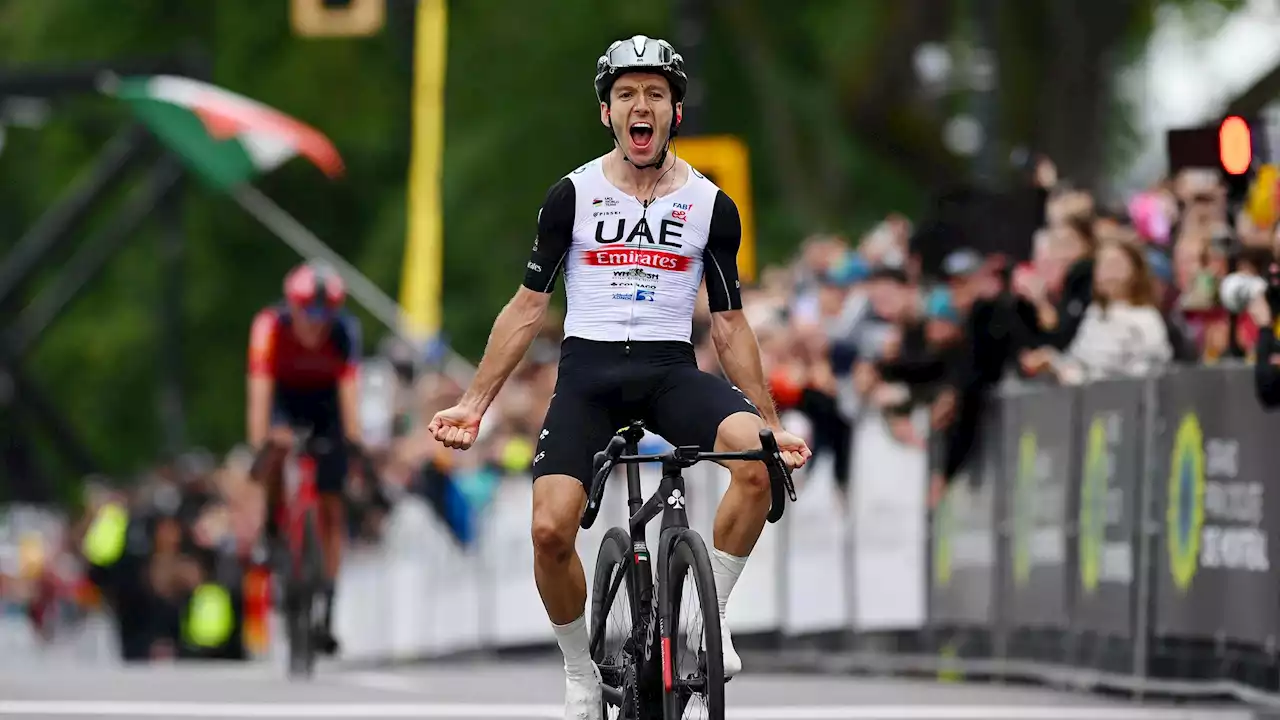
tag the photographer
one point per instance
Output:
(1263, 310)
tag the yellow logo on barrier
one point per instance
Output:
(1093, 504)
(949, 666)
(1185, 513)
(1024, 507)
(943, 525)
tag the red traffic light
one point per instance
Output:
(1235, 145)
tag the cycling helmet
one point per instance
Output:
(643, 54)
(316, 289)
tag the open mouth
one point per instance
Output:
(641, 135)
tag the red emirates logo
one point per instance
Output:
(644, 258)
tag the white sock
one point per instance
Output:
(576, 645)
(726, 569)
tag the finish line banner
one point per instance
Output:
(1216, 486)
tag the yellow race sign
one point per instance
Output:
(725, 160)
(353, 18)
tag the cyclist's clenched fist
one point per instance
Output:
(795, 452)
(457, 427)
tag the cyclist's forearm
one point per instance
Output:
(258, 421)
(739, 354)
(349, 402)
(513, 332)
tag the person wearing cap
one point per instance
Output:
(995, 326)
(304, 357)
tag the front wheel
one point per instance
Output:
(693, 658)
(613, 614)
(305, 582)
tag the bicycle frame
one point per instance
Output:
(674, 519)
(669, 501)
(291, 515)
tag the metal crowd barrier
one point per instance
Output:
(1112, 535)
(1117, 534)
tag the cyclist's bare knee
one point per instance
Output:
(738, 433)
(558, 501)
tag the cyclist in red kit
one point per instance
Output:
(304, 357)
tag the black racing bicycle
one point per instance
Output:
(654, 661)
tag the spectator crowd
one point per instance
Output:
(847, 327)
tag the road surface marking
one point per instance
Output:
(89, 708)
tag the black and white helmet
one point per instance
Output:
(641, 54)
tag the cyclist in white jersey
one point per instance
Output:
(635, 232)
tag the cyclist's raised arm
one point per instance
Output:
(734, 339)
(519, 322)
(261, 376)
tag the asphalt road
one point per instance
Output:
(54, 690)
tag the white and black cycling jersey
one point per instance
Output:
(632, 270)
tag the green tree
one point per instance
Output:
(824, 94)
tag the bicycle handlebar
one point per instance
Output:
(604, 461)
(305, 442)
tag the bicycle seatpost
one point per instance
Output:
(633, 434)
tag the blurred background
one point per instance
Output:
(903, 168)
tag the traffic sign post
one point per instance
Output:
(1235, 145)
(1228, 146)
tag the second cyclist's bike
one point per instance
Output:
(297, 562)
(655, 660)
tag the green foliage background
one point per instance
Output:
(838, 136)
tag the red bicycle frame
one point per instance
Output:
(292, 514)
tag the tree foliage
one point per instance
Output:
(824, 94)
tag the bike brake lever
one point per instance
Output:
(770, 445)
(786, 477)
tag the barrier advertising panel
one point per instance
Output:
(1093, 529)
(963, 548)
(1218, 457)
(1109, 471)
(1040, 457)
(889, 530)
